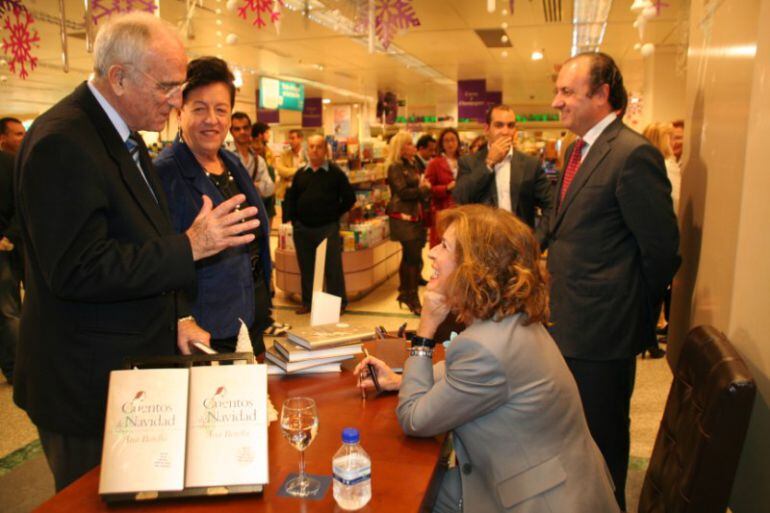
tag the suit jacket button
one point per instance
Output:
(467, 468)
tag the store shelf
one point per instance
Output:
(364, 269)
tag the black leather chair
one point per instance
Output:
(701, 435)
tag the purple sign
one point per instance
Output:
(472, 100)
(493, 98)
(312, 114)
(266, 115)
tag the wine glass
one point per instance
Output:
(299, 425)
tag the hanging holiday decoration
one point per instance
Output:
(647, 10)
(7, 6)
(21, 37)
(106, 8)
(260, 8)
(390, 17)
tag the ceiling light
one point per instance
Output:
(589, 22)
(537, 55)
(504, 54)
(237, 78)
(327, 101)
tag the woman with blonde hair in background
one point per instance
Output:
(407, 191)
(659, 134)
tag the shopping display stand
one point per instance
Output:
(186, 361)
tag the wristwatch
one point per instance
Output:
(418, 341)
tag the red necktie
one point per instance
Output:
(572, 168)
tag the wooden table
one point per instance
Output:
(402, 467)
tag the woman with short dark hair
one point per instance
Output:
(233, 284)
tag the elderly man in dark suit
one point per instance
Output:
(502, 177)
(612, 250)
(104, 268)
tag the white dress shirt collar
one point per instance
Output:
(108, 109)
(593, 134)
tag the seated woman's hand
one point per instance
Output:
(434, 310)
(387, 379)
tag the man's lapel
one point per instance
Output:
(517, 176)
(596, 154)
(117, 150)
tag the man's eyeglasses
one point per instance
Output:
(168, 89)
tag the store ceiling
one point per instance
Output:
(445, 42)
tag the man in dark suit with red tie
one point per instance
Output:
(612, 250)
(105, 271)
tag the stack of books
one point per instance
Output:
(316, 349)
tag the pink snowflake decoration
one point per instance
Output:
(18, 45)
(260, 7)
(106, 8)
(10, 5)
(390, 17)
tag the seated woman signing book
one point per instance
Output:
(504, 391)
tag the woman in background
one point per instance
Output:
(477, 144)
(659, 134)
(442, 175)
(407, 191)
(504, 391)
(233, 284)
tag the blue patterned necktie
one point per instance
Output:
(132, 144)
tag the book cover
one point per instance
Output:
(326, 368)
(329, 335)
(295, 353)
(227, 426)
(144, 432)
(274, 357)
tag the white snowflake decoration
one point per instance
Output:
(106, 8)
(17, 46)
(260, 8)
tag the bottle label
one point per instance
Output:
(348, 477)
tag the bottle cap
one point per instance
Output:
(350, 436)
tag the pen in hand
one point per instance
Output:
(373, 373)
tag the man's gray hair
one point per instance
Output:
(124, 40)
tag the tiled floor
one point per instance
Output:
(25, 481)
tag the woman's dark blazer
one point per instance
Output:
(225, 282)
(406, 197)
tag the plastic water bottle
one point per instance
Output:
(352, 470)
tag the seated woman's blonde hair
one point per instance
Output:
(498, 266)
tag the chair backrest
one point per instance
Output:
(701, 435)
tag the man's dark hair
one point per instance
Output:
(678, 123)
(296, 131)
(240, 115)
(497, 106)
(4, 122)
(205, 71)
(603, 70)
(259, 128)
(424, 141)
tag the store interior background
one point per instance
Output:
(711, 67)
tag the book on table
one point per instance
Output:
(326, 368)
(276, 358)
(293, 352)
(329, 335)
(169, 432)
